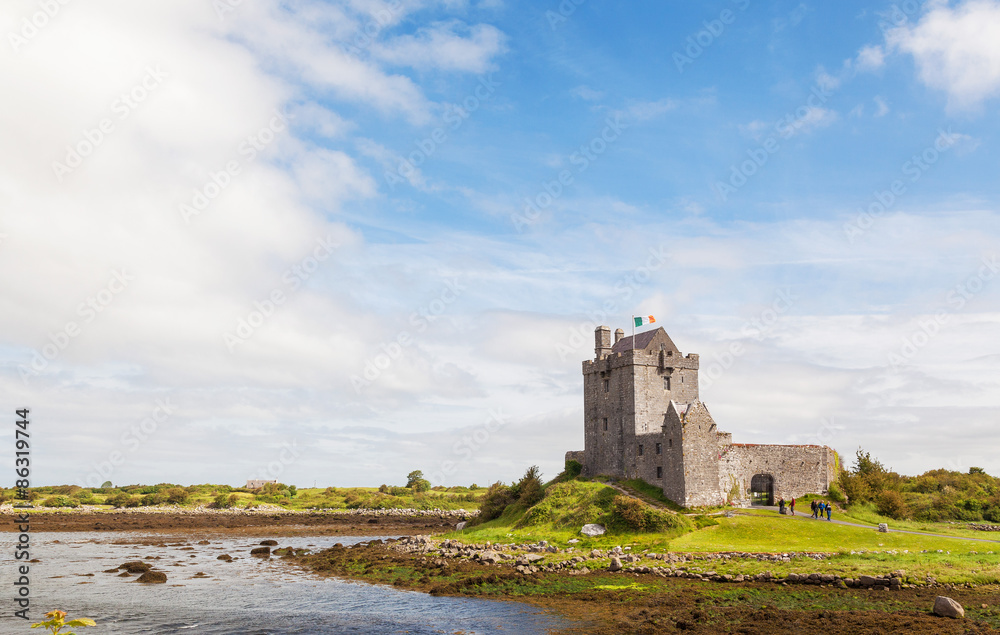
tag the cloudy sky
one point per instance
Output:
(334, 242)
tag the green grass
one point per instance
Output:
(781, 533)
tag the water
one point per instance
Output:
(248, 596)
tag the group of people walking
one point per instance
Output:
(818, 508)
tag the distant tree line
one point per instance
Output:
(934, 496)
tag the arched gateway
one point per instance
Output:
(762, 489)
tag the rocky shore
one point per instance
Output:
(541, 557)
(615, 591)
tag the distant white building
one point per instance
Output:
(257, 483)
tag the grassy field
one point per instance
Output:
(858, 550)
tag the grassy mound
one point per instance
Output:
(568, 505)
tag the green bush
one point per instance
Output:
(157, 498)
(891, 504)
(60, 501)
(630, 514)
(177, 496)
(573, 469)
(529, 488)
(495, 501)
(225, 501)
(122, 499)
(835, 494)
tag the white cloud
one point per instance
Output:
(870, 58)
(956, 49)
(814, 118)
(646, 110)
(587, 94)
(882, 106)
(442, 46)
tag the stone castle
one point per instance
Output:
(643, 419)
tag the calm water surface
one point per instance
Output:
(249, 595)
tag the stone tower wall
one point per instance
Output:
(701, 458)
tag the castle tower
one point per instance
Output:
(628, 389)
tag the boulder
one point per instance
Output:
(883, 527)
(269, 543)
(263, 552)
(947, 607)
(489, 557)
(616, 564)
(460, 526)
(866, 580)
(136, 567)
(593, 530)
(158, 577)
(533, 557)
(226, 557)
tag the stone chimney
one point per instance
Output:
(602, 342)
(619, 334)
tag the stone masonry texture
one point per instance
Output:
(643, 419)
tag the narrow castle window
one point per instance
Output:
(669, 441)
(605, 424)
(659, 472)
(666, 383)
(659, 448)
(607, 385)
(640, 450)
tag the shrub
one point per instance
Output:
(177, 495)
(529, 488)
(60, 501)
(118, 499)
(573, 469)
(891, 504)
(153, 499)
(630, 514)
(835, 494)
(225, 501)
(495, 500)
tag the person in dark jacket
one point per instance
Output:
(813, 506)
(828, 511)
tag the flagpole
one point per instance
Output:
(633, 331)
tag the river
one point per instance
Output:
(249, 595)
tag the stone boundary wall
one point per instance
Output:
(796, 469)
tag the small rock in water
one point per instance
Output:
(264, 552)
(153, 577)
(269, 543)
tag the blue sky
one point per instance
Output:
(335, 242)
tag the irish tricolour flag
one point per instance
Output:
(643, 319)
